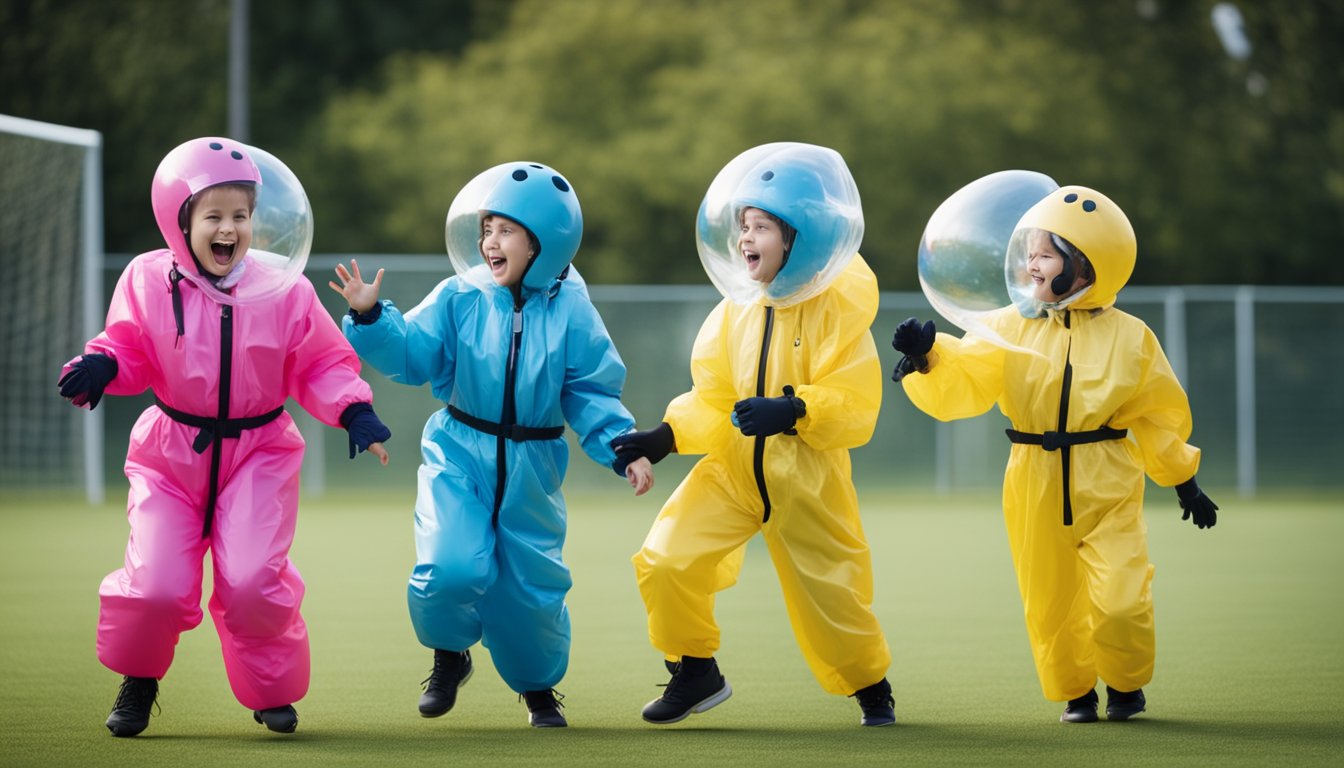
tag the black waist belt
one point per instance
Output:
(212, 434)
(515, 432)
(217, 429)
(1054, 440)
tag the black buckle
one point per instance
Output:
(206, 436)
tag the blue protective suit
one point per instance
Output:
(490, 569)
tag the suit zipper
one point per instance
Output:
(508, 415)
(758, 459)
(1064, 422)
(217, 444)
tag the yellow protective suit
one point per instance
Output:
(794, 489)
(1081, 554)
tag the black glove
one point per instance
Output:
(364, 427)
(1199, 508)
(914, 341)
(367, 318)
(87, 378)
(652, 444)
(768, 415)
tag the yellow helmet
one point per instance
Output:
(1095, 225)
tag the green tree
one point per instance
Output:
(147, 74)
(150, 74)
(641, 104)
(1232, 170)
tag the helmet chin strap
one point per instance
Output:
(517, 288)
(790, 237)
(1062, 282)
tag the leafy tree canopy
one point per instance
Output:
(1231, 169)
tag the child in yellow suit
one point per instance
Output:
(1095, 410)
(786, 380)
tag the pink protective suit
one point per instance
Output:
(285, 348)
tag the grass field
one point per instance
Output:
(1250, 660)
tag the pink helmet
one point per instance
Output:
(188, 169)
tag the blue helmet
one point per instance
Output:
(795, 194)
(531, 194)
(806, 186)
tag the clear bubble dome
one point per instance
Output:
(964, 246)
(282, 235)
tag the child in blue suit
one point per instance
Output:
(515, 348)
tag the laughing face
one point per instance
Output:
(221, 228)
(1044, 263)
(507, 249)
(761, 243)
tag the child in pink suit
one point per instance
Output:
(222, 337)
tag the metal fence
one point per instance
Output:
(1260, 365)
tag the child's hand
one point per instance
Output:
(915, 341)
(640, 474)
(654, 444)
(1197, 505)
(86, 377)
(366, 431)
(361, 296)
(378, 450)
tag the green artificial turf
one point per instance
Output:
(1250, 650)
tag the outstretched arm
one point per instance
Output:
(594, 377)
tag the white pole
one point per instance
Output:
(92, 247)
(1174, 342)
(64, 134)
(1245, 361)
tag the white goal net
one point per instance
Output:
(51, 254)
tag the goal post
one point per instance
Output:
(51, 248)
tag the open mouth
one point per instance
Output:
(223, 252)
(497, 263)
(753, 258)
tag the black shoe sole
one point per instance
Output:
(121, 730)
(710, 702)
(1075, 719)
(552, 720)
(276, 727)
(1122, 706)
(434, 712)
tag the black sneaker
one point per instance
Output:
(1122, 706)
(130, 712)
(696, 686)
(1081, 710)
(879, 708)
(543, 708)
(279, 719)
(451, 671)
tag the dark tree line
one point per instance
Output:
(1232, 169)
